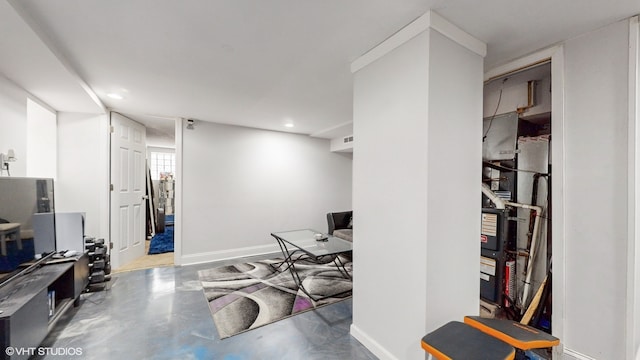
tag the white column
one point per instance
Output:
(416, 175)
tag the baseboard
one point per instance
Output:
(192, 259)
(574, 355)
(371, 344)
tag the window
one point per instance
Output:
(163, 164)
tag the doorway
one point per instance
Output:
(128, 196)
(161, 180)
(159, 176)
(516, 235)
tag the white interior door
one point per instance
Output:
(128, 209)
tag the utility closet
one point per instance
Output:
(515, 259)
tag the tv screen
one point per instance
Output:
(27, 222)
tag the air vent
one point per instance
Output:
(348, 139)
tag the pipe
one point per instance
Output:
(534, 201)
(532, 250)
(500, 204)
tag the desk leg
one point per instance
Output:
(289, 260)
(341, 268)
(289, 257)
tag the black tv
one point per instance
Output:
(27, 221)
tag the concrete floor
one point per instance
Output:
(162, 313)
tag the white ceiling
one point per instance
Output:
(256, 63)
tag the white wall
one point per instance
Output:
(41, 139)
(83, 169)
(28, 127)
(417, 114)
(595, 143)
(240, 184)
(160, 139)
(13, 124)
(78, 148)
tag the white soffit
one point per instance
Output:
(430, 20)
(32, 64)
(336, 131)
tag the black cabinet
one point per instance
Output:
(31, 304)
(496, 245)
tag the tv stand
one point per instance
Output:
(27, 316)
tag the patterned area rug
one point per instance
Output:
(249, 295)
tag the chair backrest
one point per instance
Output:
(338, 220)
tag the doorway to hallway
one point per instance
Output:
(128, 194)
(159, 185)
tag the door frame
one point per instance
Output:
(177, 224)
(556, 55)
(633, 245)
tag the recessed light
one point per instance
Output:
(115, 96)
(289, 125)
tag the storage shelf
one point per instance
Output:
(25, 302)
(61, 307)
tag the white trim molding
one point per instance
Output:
(430, 20)
(522, 63)
(574, 355)
(373, 346)
(558, 195)
(633, 245)
(456, 34)
(192, 259)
